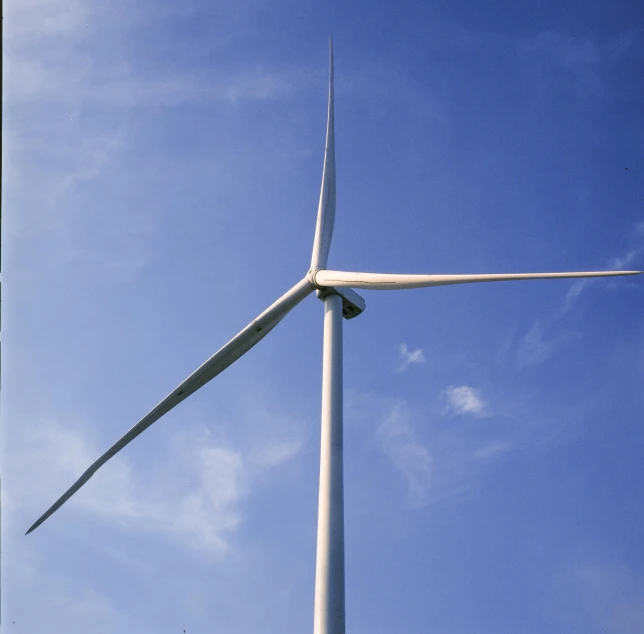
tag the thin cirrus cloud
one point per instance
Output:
(408, 357)
(410, 456)
(547, 334)
(433, 461)
(606, 591)
(119, 493)
(577, 61)
(200, 511)
(51, 58)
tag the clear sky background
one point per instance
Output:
(161, 159)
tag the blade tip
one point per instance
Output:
(37, 523)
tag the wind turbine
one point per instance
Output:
(335, 289)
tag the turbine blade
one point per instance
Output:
(326, 207)
(235, 348)
(387, 281)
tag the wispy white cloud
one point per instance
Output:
(275, 434)
(463, 399)
(538, 344)
(435, 461)
(73, 85)
(66, 602)
(492, 450)
(546, 333)
(552, 57)
(409, 357)
(399, 442)
(57, 53)
(576, 56)
(440, 459)
(575, 61)
(41, 18)
(604, 595)
(622, 262)
(84, 82)
(277, 451)
(202, 515)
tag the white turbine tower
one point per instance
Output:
(334, 288)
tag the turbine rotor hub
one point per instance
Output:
(311, 277)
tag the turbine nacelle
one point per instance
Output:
(352, 303)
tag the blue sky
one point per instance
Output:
(161, 159)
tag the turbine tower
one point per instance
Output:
(334, 288)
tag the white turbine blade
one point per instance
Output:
(326, 208)
(235, 348)
(386, 281)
